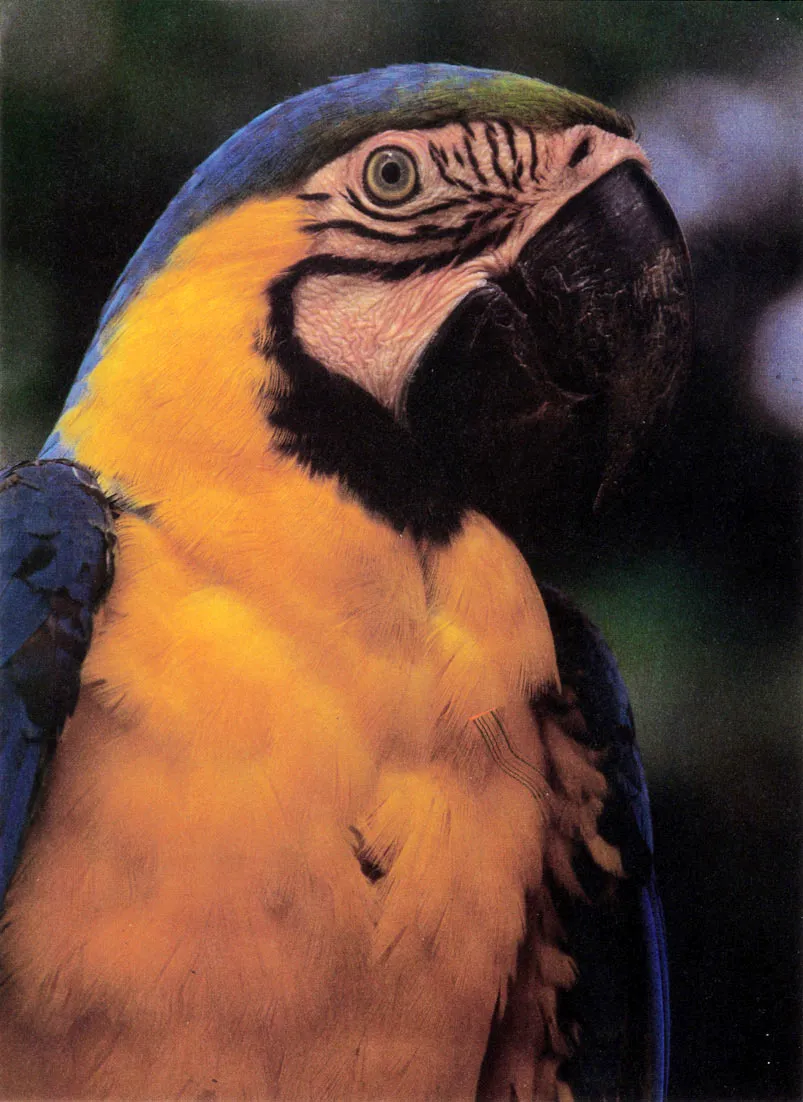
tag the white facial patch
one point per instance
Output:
(478, 194)
(374, 333)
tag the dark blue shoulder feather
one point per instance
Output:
(56, 566)
(617, 939)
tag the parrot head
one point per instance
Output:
(451, 288)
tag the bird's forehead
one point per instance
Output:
(322, 124)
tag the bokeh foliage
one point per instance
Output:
(107, 107)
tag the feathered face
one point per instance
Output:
(437, 213)
(518, 300)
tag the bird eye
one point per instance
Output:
(391, 175)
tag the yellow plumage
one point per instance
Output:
(276, 678)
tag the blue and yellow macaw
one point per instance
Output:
(309, 790)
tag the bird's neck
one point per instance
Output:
(201, 386)
(174, 399)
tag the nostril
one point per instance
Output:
(581, 152)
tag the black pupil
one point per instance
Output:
(391, 173)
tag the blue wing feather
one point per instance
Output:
(56, 566)
(622, 994)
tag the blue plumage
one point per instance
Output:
(622, 994)
(56, 541)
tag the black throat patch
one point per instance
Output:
(335, 428)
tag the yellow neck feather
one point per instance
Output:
(174, 398)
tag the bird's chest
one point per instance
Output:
(278, 825)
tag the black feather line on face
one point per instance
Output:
(435, 153)
(434, 208)
(514, 154)
(490, 134)
(580, 153)
(533, 153)
(419, 233)
(453, 181)
(472, 160)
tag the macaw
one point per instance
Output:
(309, 789)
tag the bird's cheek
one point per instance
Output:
(336, 320)
(375, 332)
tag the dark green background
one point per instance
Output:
(108, 106)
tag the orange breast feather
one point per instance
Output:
(280, 694)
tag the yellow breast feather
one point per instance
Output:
(280, 687)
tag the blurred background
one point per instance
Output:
(108, 106)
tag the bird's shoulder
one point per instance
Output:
(56, 566)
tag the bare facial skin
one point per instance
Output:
(483, 190)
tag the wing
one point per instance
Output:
(617, 1009)
(621, 997)
(56, 566)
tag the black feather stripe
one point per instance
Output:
(493, 143)
(472, 160)
(422, 212)
(514, 154)
(533, 152)
(580, 153)
(420, 233)
(447, 178)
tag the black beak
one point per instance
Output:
(552, 378)
(607, 287)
